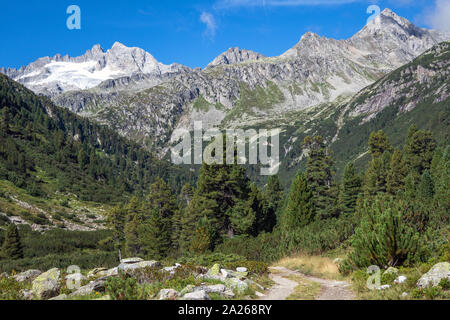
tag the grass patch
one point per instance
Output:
(312, 265)
(306, 289)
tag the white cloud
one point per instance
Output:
(279, 3)
(211, 25)
(439, 17)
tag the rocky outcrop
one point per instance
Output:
(435, 275)
(27, 275)
(47, 285)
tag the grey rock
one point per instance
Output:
(97, 272)
(47, 285)
(435, 275)
(137, 266)
(131, 260)
(168, 294)
(98, 285)
(241, 269)
(28, 275)
(196, 295)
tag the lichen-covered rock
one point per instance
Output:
(168, 294)
(97, 272)
(131, 260)
(435, 275)
(27, 275)
(75, 278)
(188, 289)
(215, 270)
(47, 285)
(196, 295)
(98, 285)
(125, 267)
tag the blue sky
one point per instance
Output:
(190, 32)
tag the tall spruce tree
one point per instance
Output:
(425, 188)
(397, 173)
(376, 175)
(12, 248)
(378, 144)
(418, 151)
(350, 190)
(116, 222)
(299, 210)
(134, 219)
(319, 174)
(155, 236)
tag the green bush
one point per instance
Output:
(123, 287)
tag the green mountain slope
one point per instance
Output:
(57, 168)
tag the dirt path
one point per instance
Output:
(331, 289)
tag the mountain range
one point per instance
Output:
(314, 87)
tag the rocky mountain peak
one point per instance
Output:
(235, 55)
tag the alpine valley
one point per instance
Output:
(86, 177)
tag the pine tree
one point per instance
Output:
(397, 173)
(203, 237)
(186, 194)
(155, 236)
(299, 210)
(116, 222)
(134, 219)
(378, 144)
(350, 190)
(384, 237)
(425, 188)
(376, 175)
(418, 151)
(12, 246)
(273, 195)
(319, 174)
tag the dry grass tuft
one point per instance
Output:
(312, 265)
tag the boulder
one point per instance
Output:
(98, 285)
(124, 267)
(168, 294)
(97, 272)
(27, 275)
(131, 260)
(75, 277)
(241, 269)
(259, 294)
(217, 288)
(435, 275)
(227, 273)
(47, 285)
(112, 272)
(215, 270)
(196, 295)
(237, 285)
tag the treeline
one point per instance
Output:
(82, 157)
(394, 213)
(224, 204)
